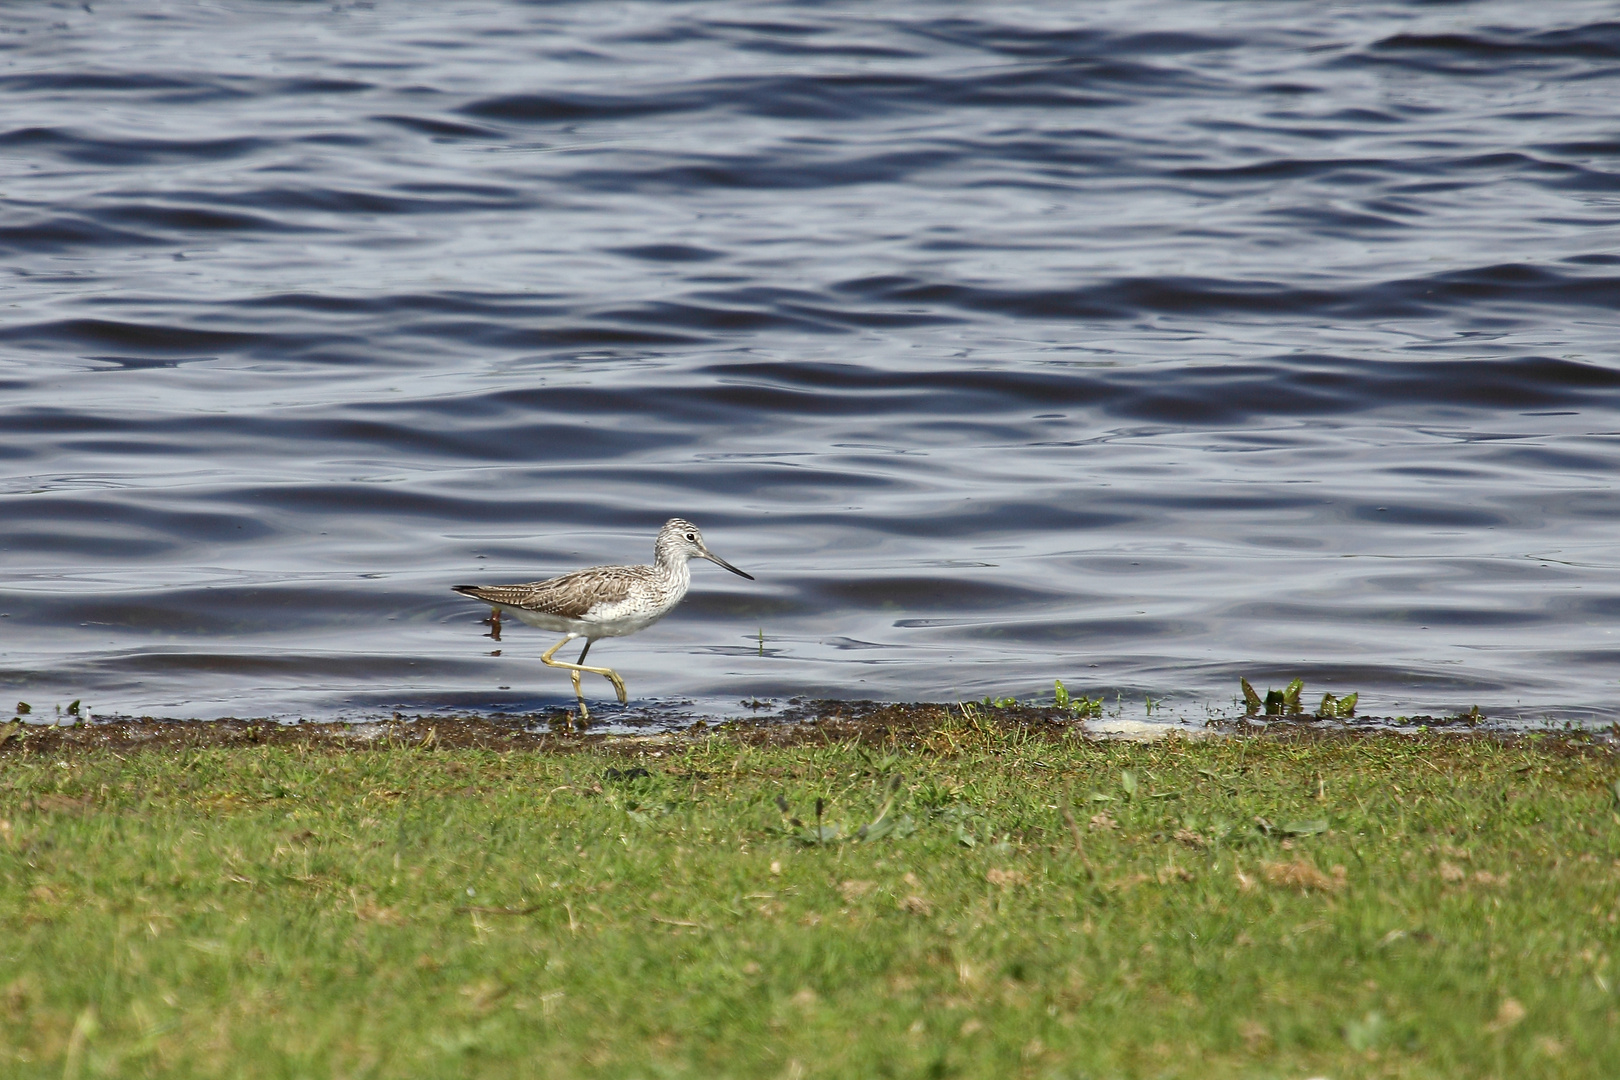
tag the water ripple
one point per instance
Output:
(1143, 346)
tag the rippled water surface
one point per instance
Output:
(1144, 345)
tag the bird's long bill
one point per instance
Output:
(712, 557)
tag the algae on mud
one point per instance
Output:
(1291, 904)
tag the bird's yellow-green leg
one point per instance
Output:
(607, 673)
(584, 711)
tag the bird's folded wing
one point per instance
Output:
(570, 596)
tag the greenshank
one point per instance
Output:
(605, 601)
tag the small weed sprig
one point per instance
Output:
(1080, 705)
(884, 823)
(74, 709)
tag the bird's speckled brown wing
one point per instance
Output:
(569, 597)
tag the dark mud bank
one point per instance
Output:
(944, 728)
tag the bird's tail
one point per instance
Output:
(510, 595)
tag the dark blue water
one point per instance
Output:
(1142, 345)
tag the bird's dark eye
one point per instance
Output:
(692, 537)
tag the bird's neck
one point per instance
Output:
(675, 569)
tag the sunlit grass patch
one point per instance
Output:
(988, 904)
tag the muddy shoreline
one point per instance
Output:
(864, 723)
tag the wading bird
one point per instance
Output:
(605, 601)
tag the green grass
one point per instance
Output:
(1358, 906)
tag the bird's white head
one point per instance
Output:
(680, 540)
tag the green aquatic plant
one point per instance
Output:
(1081, 706)
(1285, 702)
(1333, 708)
